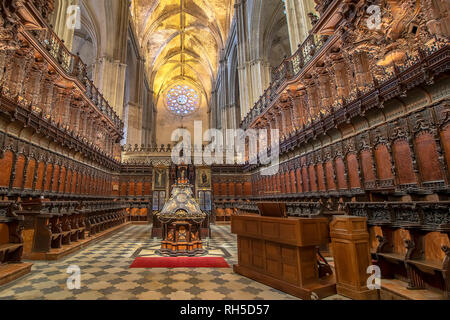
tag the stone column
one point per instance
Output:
(109, 77)
(299, 24)
(134, 124)
(60, 18)
(245, 85)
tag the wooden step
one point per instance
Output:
(394, 289)
(12, 271)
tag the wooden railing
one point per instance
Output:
(292, 66)
(288, 70)
(387, 87)
(74, 67)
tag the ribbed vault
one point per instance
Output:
(182, 40)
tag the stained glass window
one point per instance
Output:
(182, 100)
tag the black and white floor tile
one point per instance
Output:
(105, 274)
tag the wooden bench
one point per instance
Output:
(56, 223)
(414, 266)
(94, 224)
(11, 240)
(103, 215)
(424, 272)
(391, 254)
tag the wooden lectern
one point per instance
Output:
(351, 251)
(282, 253)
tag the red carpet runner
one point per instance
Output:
(180, 262)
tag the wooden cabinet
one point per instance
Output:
(282, 253)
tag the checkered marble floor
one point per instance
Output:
(105, 275)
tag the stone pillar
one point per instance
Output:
(109, 77)
(245, 85)
(298, 21)
(351, 253)
(59, 20)
(134, 124)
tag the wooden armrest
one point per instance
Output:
(392, 256)
(427, 265)
(10, 246)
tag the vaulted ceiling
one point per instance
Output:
(182, 40)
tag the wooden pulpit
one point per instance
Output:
(282, 253)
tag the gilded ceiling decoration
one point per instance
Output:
(182, 40)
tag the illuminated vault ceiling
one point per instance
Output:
(182, 40)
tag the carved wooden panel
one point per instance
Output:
(223, 189)
(239, 191)
(31, 167)
(245, 253)
(283, 183)
(312, 178)
(62, 179)
(139, 189)
(248, 188)
(367, 166)
(433, 243)
(40, 176)
(48, 177)
(123, 189)
(4, 233)
(340, 174)
(293, 182)
(403, 162)
(131, 188)
(321, 177)
(427, 156)
(148, 188)
(74, 182)
(232, 189)
(445, 138)
(382, 158)
(374, 231)
(6, 166)
(56, 171)
(20, 164)
(398, 237)
(329, 170)
(305, 180)
(288, 182)
(353, 171)
(299, 180)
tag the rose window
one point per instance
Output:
(182, 100)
